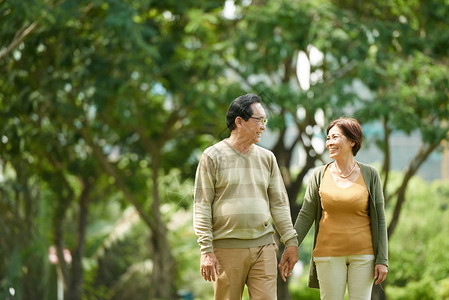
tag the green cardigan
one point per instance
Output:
(311, 212)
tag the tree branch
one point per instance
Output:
(18, 38)
(415, 164)
(110, 169)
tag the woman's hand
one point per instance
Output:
(380, 273)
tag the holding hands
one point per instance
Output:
(288, 261)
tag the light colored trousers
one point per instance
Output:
(255, 267)
(355, 270)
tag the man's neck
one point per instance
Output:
(241, 144)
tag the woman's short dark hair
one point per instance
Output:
(241, 107)
(351, 129)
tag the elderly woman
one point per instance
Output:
(344, 198)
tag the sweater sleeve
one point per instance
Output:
(280, 206)
(204, 192)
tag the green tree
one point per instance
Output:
(121, 81)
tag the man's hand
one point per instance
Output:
(380, 273)
(209, 266)
(288, 261)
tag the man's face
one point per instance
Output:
(255, 125)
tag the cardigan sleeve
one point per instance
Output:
(308, 211)
(382, 252)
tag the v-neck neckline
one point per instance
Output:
(237, 151)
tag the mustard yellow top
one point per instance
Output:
(345, 225)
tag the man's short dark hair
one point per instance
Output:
(241, 107)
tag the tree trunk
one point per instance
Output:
(75, 290)
(386, 164)
(378, 293)
(58, 219)
(164, 273)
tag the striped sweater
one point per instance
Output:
(236, 195)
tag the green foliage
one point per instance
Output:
(23, 235)
(186, 250)
(299, 289)
(407, 69)
(414, 290)
(106, 94)
(419, 260)
(122, 267)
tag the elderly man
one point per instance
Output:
(238, 189)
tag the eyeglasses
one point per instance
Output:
(262, 121)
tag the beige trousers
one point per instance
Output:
(355, 270)
(255, 267)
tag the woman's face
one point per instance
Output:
(338, 144)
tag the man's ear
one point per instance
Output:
(238, 122)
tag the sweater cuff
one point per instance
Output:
(208, 249)
(293, 242)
